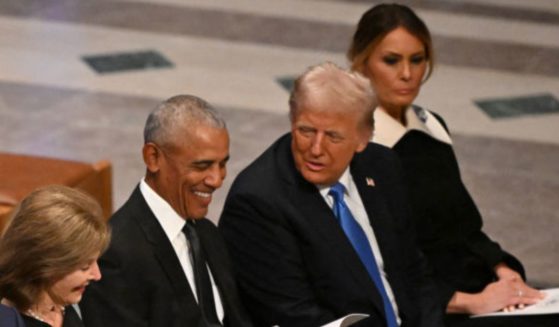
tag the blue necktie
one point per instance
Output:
(360, 243)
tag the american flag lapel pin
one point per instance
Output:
(370, 181)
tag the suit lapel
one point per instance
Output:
(375, 205)
(162, 248)
(369, 186)
(380, 215)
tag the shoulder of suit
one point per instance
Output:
(266, 169)
(128, 242)
(123, 215)
(6, 310)
(127, 220)
(376, 158)
(375, 150)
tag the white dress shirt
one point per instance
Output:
(172, 225)
(353, 201)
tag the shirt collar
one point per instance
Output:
(168, 218)
(388, 131)
(345, 180)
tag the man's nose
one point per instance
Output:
(316, 146)
(215, 176)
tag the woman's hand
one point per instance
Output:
(504, 272)
(526, 295)
(504, 294)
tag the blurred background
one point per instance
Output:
(78, 78)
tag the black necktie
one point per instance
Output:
(201, 276)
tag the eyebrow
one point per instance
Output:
(303, 124)
(390, 52)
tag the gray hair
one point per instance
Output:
(326, 83)
(178, 114)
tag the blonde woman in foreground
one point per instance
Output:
(48, 255)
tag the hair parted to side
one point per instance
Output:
(54, 231)
(380, 20)
(327, 83)
(181, 112)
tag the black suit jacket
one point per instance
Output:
(297, 268)
(143, 283)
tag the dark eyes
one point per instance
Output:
(393, 60)
(417, 59)
(390, 60)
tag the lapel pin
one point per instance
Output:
(370, 181)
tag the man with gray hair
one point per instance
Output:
(167, 265)
(318, 226)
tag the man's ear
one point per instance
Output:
(364, 138)
(152, 157)
(362, 146)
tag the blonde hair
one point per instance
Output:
(327, 82)
(54, 231)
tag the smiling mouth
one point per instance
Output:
(204, 195)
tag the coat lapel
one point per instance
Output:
(376, 207)
(380, 217)
(162, 248)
